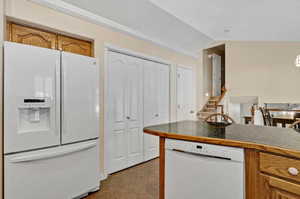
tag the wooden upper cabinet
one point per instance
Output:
(8, 31)
(72, 45)
(35, 37)
(31, 36)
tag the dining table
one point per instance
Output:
(284, 120)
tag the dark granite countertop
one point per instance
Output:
(273, 139)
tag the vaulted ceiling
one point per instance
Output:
(189, 25)
(239, 19)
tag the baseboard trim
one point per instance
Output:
(103, 176)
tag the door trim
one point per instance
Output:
(112, 48)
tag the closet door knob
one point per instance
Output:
(156, 115)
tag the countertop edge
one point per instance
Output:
(226, 142)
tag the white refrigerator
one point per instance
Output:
(51, 123)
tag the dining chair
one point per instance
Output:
(295, 125)
(297, 115)
(266, 117)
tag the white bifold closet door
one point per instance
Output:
(125, 111)
(186, 94)
(156, 103)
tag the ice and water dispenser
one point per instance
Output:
(34, 114)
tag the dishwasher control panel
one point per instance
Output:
(231, 153)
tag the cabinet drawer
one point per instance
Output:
(280, 166)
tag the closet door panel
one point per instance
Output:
(156, 103)
(150, 108)
(135, 106)
(117, 122)
(163, 93)
(150, 94)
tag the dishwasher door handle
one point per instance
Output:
(200, 155)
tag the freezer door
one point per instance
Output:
(80, 98)
(31, 97)
(62, 172)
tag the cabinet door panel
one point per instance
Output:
(275, 188)
(69, 44)
(34, 37)
(134, 110)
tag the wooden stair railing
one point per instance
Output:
(223, 93)
(212, 106)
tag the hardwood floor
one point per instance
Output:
(139, 182)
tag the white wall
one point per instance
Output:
(1, 92)
(263, 69)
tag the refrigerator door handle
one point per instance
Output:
(49, 155)
(57, 98)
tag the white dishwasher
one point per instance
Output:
(203, 171)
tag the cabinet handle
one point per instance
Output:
(128, 117)
(156, 115)
(293, 171)
(192, 112)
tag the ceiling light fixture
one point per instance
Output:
(297, 62)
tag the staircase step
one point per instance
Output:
(215, 97)
(204, 115)
(210, 109)
(210, 106)
(212, 100)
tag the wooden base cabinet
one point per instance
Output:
(279, 177)
(276, 188)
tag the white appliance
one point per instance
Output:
(196, 170)
(51, 123)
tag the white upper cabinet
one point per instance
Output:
(80, 99)
(31, 97)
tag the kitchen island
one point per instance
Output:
(272, 155)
